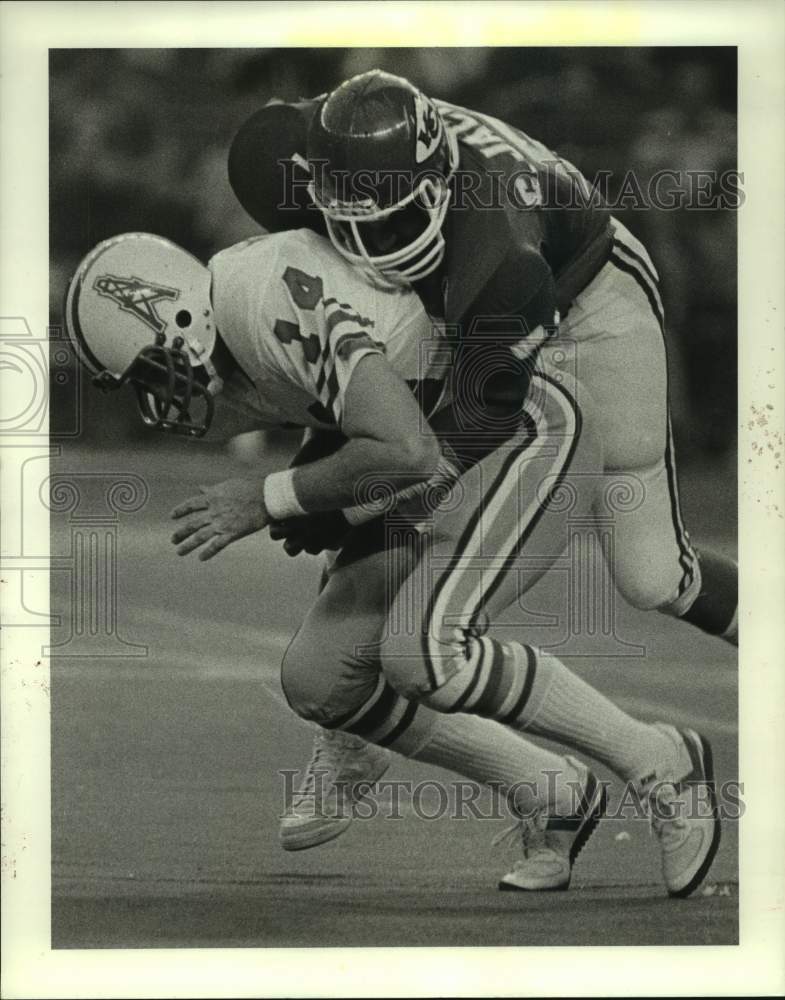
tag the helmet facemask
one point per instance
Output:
(167, 385)
(351, 229)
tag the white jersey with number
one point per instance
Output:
(298, 319)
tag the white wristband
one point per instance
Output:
(280, 498)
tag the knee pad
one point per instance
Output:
(298, 681)
(323, 684)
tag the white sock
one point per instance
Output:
(565, 708)
(486, 751)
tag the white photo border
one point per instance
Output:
(757, 964)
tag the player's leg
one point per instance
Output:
(513, 498)
(618, 328)
(331, 675)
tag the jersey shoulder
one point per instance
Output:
(297, 314)
(494, 260)
(525, 227)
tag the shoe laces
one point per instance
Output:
(530, 830)
(318, 764)
(665, 814)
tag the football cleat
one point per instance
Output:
(341, 771)
(684, 815)
(551, 843)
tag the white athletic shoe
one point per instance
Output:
(339, 773)
(552, 843)
(684, 814)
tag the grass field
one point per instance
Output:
(166, 792)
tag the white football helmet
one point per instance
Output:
(138, 311)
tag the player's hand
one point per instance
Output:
(311, 533)
(220, 515)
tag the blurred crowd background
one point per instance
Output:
(139, 139)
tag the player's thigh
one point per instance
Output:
(616, 330)
(647, 547)
(614, 335)
(332, 664)
(506, 524)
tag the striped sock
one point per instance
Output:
(532, 691)
(476, 748)
(564, 707)
(388, 719)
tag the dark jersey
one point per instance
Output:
(523, 237)
(524, 234)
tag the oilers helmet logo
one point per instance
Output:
(429, 127)
(137, 297)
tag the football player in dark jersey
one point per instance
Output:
(506, 244)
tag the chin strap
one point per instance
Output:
(214, 381)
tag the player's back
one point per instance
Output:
(297, 319)
(511, 191)
(520, 214)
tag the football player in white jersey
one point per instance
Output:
(282, 324)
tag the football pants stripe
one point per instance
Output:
(639, 271)
(494, 512)
(687, 555)
(634, 271)
(572, 434)
(511, 462)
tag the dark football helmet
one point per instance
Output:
(381, 160)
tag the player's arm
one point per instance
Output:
(385, 445)
(508, 323)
